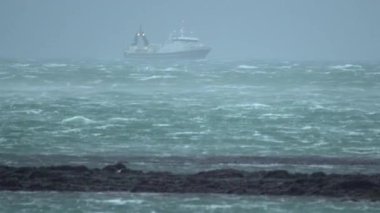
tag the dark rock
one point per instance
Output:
(116, 168)
(277, 174)
(318, 175)
(356, 185)
(118, 177)
(69, 168)
(222, 173)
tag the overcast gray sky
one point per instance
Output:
(238, 29)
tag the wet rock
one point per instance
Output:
(277, 174)
(222, 173)
(117, 168)
(118, 177)
(69, 168)
(357, 185)
(318, 175)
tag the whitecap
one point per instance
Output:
(373, 73)
(197, 119)
(55, 65)
(187, 133)
(85, 87)
(355, 133)
(29, 111)
(246, 105)
(20, 65)
(320, 166)
(161, 125)
(121, 119)
(285, 67)
(33, 111)
(30, 76)
(361, 150)
(307, 127)
(78, 119)
(168, 69)
(218, 206)
(275, 116)
(246, 67)
(156, 77)
(116, 201)
(253, 105)
(103, 127)
(71, 130)
(8, 77)
(345, 67)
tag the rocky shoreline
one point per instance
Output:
(118, 177)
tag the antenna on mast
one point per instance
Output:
(182, 29)
(140, 35)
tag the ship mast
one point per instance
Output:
(140, 35)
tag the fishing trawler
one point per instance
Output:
(178, 47)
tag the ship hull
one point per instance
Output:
(182, 55)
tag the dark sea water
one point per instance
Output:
(306, 116)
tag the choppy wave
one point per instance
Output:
(156, 77)
(52, 65)
(346, 67)
(20, 65)
(122, 119)
(231, 108)
(78, 119)
(249, 67)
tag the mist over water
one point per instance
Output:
(188, 117)
(290, 85)
(204, 108)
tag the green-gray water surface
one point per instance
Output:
(172, 117)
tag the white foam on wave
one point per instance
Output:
(20, 65)
(215, 207)
(7, 77)
(122, 119)
(361, 150)
(78, 119)
(275, 116)
(188, 133)
(33, 111)
(246, 67)
(55, 65)
(355, 133)
(161, 125)
(169, 69)
(285, 67)
(29, 111)
(30, 76)
(85, 87)
(156, 77)
(197, 119)
(103, 127)
(373, 73)
(119, 201)
(307, 127)
(245, 105)
(346, 67)
(253, 105)
(74, 130)
(208, 207)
